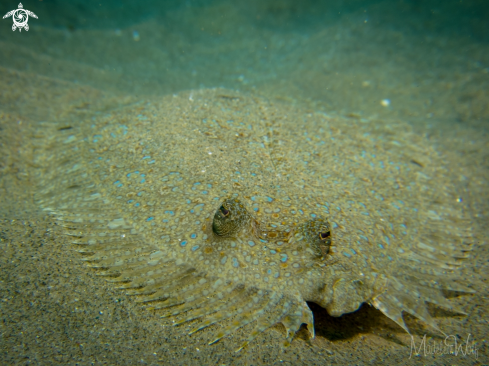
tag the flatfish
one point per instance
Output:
(213, 207)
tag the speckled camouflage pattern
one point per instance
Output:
(223, 206)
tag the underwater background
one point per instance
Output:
(427, 58)
(425, 63)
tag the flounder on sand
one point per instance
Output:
(215, 205)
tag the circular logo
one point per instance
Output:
(20, 18)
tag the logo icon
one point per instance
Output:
(20, 17)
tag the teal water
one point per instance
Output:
(428, 59)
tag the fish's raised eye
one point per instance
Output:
(325, 235)
(225, 212)
(231, 218)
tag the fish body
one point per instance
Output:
(227, 207)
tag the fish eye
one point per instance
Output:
(318, 234)
(324, 235)
(230, 218)
(224, 211)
